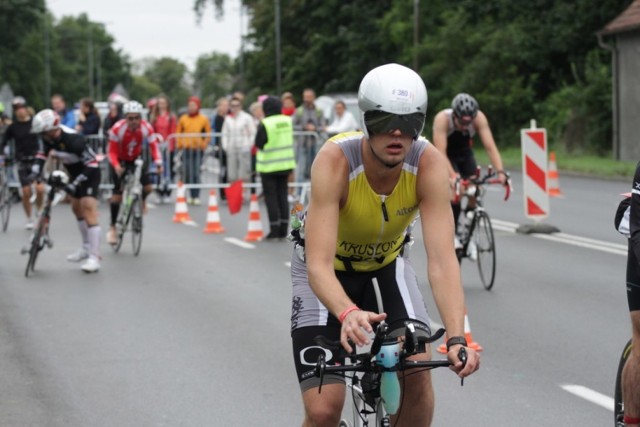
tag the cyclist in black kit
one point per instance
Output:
(631, 372)
(84, 172)
(453, 132)
(25, 148)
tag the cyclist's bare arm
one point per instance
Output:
(484, 131)
(440, 130)
(437, 233)
(329, 178)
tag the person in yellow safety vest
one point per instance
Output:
(274, 161)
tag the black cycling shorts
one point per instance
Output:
(401, 298)
(90, 187)
(145, 178)
(465, 165)
(24, 172)
(633, 280)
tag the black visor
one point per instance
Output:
(379, 122)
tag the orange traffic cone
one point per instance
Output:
(254, 233)
(467, 336)
(552, 177)
(213, 216)
(181, 212)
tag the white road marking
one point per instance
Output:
(570, 239)
(590, 395)
(238, 242)
(190, 223)
(288, 264)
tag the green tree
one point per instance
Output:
(141, 89)
(170, 75)
(214, 77)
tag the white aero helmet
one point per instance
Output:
(132, 107)
(391, 97)
(44, 121)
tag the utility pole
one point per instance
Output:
(278, 59)
(416, 4)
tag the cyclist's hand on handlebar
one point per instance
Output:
(467, 368)
(356, 327)
(119, 170)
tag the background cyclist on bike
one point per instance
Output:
(127, 139)
(25, 148)
(84, 176)
(368, 187)
(453, 132)
(631, 372)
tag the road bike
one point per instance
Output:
(40, 237)
(618, 409)
(131, 207)
(372, 377)
(475, 231)
(5, 195)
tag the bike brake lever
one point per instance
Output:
(462, 355)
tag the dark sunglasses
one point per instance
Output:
(380, 122)
(464, 122)
(134, 118)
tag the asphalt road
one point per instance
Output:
(195, 331)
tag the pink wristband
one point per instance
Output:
(346, 311)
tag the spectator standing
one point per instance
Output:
(258, 114)
(89, 120)
(24, 153)
(307, 118)
(343, 120)
(193, 146)
(164, 123)
(67, 117)
(114, 115)
(274, 162)
(217, 121)
(238, 135)
(289, 109)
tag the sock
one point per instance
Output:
(93, 231)
(82, 225)
(115, 207)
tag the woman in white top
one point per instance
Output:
(343, 120)
(238, 134)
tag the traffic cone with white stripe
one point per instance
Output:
(255, 232)
(552, 177)
(213, 216)
(467, 336)
(181, 211)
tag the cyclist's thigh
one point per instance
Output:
(401, 295)
(633, 280)
(24, 172)
(306, 352)
(145, 179)
(116, 180)
(467, 165)
(90, 187)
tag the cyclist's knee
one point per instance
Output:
(323, 409)
(321, 416)
(635, 325)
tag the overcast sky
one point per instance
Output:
(156, 28)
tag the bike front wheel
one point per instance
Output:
(136, 225)
(486, 247)
(618, 408)
(5, 206)
(124, 215)
(36, 246)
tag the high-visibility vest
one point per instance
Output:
(277, 155)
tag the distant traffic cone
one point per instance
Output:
(467, 336)
(181, 212)
(552, 177)
(213, 216)
(254, 233)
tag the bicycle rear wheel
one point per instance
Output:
(486, 246)
(5, 206)
(618, 408)
(136, 224)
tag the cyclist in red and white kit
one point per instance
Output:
(128, 140)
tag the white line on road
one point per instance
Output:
(239, 242)
(190, 223)
(590, 395)
(570, 239)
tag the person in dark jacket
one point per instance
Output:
(89, 122)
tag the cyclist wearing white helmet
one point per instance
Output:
(129, 139)
(368, 188)
(84, 172)
(453, 132)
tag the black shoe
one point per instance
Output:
(273, 236)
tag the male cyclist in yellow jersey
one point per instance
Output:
(453, 132)
(368, 187)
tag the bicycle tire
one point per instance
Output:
(486, 247)
(618, 408)
(34, 249)
(121, 225)
(136, 224)
(5, 206)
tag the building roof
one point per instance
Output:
(627, 21)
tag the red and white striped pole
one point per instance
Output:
(534, 179)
